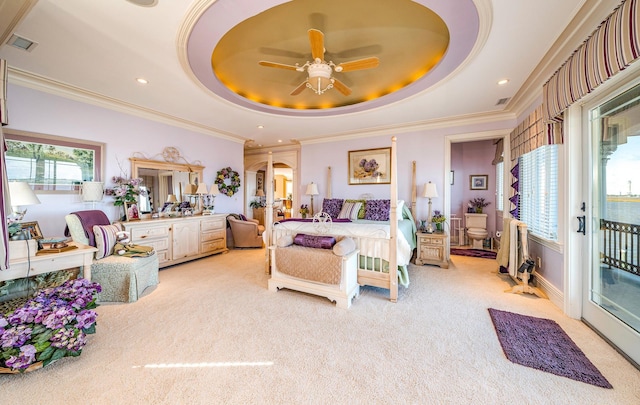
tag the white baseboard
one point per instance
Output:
(555, 295)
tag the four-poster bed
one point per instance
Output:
(385, 247)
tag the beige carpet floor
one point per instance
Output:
(211, 333)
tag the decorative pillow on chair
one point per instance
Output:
(105, 239)
(350, 210)
(361, 211)
(377, 210)
(243, 217)
(332, 206)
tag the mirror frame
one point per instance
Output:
(137, 163)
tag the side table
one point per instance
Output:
(433, 249)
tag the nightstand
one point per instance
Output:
(432, 249)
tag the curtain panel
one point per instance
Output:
(612, 47)
(4, 185)
(533, 133)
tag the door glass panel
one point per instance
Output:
(615, 276)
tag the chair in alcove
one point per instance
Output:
(123, 279)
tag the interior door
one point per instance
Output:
(611, 291)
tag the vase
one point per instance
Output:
(439, 226)
(304, 216)
(478, 210)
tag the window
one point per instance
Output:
(52, 164)
(539, 191)
(500, 186)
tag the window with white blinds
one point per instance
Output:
(539, 191)
(500, 186)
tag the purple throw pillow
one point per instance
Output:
(332, 206)
(243, 217)
(314, 241)
(377, 210)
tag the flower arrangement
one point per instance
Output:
(125, 190)
(304, 210)
(13, 226)
(234, 181)
(51, 325)
(437, 217)
(478, 204)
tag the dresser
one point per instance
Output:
(433, 249)
(178, 240)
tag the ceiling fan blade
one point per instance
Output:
(366, 63)
(299, 89)
(341, 87)
(316, 38)
(277, 65)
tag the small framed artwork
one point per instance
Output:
(32, 229)
(370, 166)
(478, 182)
(132, 211)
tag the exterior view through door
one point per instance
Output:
(611, 298)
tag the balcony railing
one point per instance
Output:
(620, 245)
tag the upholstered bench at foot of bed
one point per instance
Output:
(123, 279)
(316, 271)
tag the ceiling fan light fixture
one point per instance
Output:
(320, 79)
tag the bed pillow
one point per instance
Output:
(344, 247)
(284, 241)
(332, 206)
(350, 210)
(314, 241)
(361, 211)
(377, 210)
(105, 239)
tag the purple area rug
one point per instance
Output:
(542, 344)
(485, 254)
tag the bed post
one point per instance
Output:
(268, 214)
(413, 189)
(393, 219)
(328, 182)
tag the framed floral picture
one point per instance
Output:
(478, 182)
(370, 166)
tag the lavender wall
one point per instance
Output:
(123, 134)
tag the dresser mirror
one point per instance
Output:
(161, 179)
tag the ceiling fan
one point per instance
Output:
(319, 71)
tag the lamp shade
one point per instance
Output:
(430, 190)
(214, 189)
(22, 194)
(171, 198)
(92, 191)
(312, 189)
(202, 189)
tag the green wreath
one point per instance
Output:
(234, 181)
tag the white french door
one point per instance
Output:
(611, 222)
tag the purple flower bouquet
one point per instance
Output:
(51, 325)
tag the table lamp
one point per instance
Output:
(21, 194)
(92, 191)
(312, 189)
(200, 192)
(430, 192)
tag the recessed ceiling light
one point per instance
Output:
(260, 126)
(142, 81)
(22, 43)
(503, 82)
(279, 140)
(144, 3)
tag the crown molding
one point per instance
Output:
(46, 85)
(440, 123)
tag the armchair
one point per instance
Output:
(245, 233)
(123, 279)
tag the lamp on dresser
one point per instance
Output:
(430, 191)
(21, 194)
(200, 192)
(209, 200)
(312, 189)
